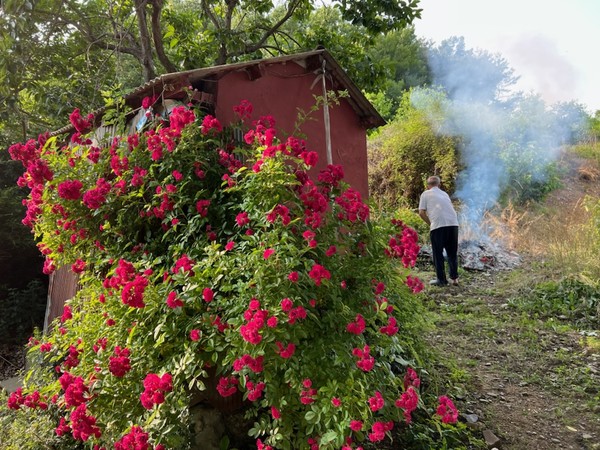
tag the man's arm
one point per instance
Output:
(424, 216)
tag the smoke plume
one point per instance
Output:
(508, 139)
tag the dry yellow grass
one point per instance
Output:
(564, 238)
(588, 172)
(562, 232)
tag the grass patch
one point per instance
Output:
(569, 299)
(589, 151)
(565, 241)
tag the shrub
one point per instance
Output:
(589, 151)
(27, 430)
(192, 263)
(408, 150)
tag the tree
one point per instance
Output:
(572, 121)
(46, 71)
(593, 128)
(58, 54)
(404, 58)
(325, 27)
(235, 28)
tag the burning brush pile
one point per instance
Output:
(483, 254)
(480, 250)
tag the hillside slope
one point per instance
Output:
(529, 377)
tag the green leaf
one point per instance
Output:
(328, 437)
(224, 443)
(311, 417)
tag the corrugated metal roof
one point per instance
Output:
(174, 81)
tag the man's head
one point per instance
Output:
(433, 181)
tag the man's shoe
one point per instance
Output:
(437, 282)
(454, 282)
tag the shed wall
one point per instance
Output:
(282, 90)
(63, 286)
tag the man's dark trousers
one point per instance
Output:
(445, 238)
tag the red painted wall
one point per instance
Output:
(280, 91)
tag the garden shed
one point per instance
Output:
(282, 87)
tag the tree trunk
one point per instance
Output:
(145, 42)
(157, 6)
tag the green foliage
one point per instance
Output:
(408, 150)
(379, 15)
(421, 437)
(592, 205)
(22, 310)
(28, 431)
(574, 299)
(382, 103)
(528, 141)
(20, 260)
(49, 69)
(22, 294)
(197, 265)
(572, 122)
(525, 187)
(325, 27)
(404, 57)
(58, 56)
(592, 133)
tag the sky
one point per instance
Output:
(553, 45)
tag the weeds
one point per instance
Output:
(569, 299)
(588, 151)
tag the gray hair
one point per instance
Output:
(434, 181)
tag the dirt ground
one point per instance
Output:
(533, 384)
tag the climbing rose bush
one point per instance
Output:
(201, 258)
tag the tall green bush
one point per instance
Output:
(408, 150)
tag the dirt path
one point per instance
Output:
(535, 385)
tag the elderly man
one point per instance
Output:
(435, 208)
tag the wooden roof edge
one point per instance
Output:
(365, 110)
(363, 107)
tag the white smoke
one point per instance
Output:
(507, 138)
(556, 77)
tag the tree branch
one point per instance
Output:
(86, 31)
(292, 6)
(157, 6)
(210, 14)
(287, 37)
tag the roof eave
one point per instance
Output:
(368, 115)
